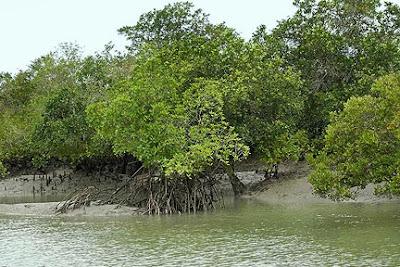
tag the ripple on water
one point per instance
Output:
(253, 235)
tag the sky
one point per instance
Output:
(30, 29)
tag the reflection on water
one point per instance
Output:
(32, 198)
(244, 234)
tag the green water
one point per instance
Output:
(245, 234)
(31, 198)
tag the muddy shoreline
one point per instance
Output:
(291, 187)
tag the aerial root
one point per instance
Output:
(152, 194)
(77, 199)
(168, 196)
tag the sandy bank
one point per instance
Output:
(292, 187)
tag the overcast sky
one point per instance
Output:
(32, 28)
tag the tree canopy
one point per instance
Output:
(362, 144)
(340, 48)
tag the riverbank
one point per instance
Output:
(291, 187)
(39, 195)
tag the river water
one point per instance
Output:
(246, 233)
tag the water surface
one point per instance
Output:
(244, 234)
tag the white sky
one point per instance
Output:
(32, 28)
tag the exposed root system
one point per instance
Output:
(153, 194)
(166, 196)
(77, 199)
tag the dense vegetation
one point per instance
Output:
(190, 98)
(362, 144)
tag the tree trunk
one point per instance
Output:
(237, 186)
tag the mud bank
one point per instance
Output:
(38, 195)
(291, 187)
(59, 182)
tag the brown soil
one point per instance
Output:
(291, 186)
(53, 188)
(59, 182)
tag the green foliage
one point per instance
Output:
(186, 48)
(209, 138)
(63, 131)
(14, 135)
(17, 116)
(183, 38)
(264, 104)
(340, 47)
(174, 23)
(179, 131)
(362, 144)
(262, 97)
(43, 109)
(3, 171)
